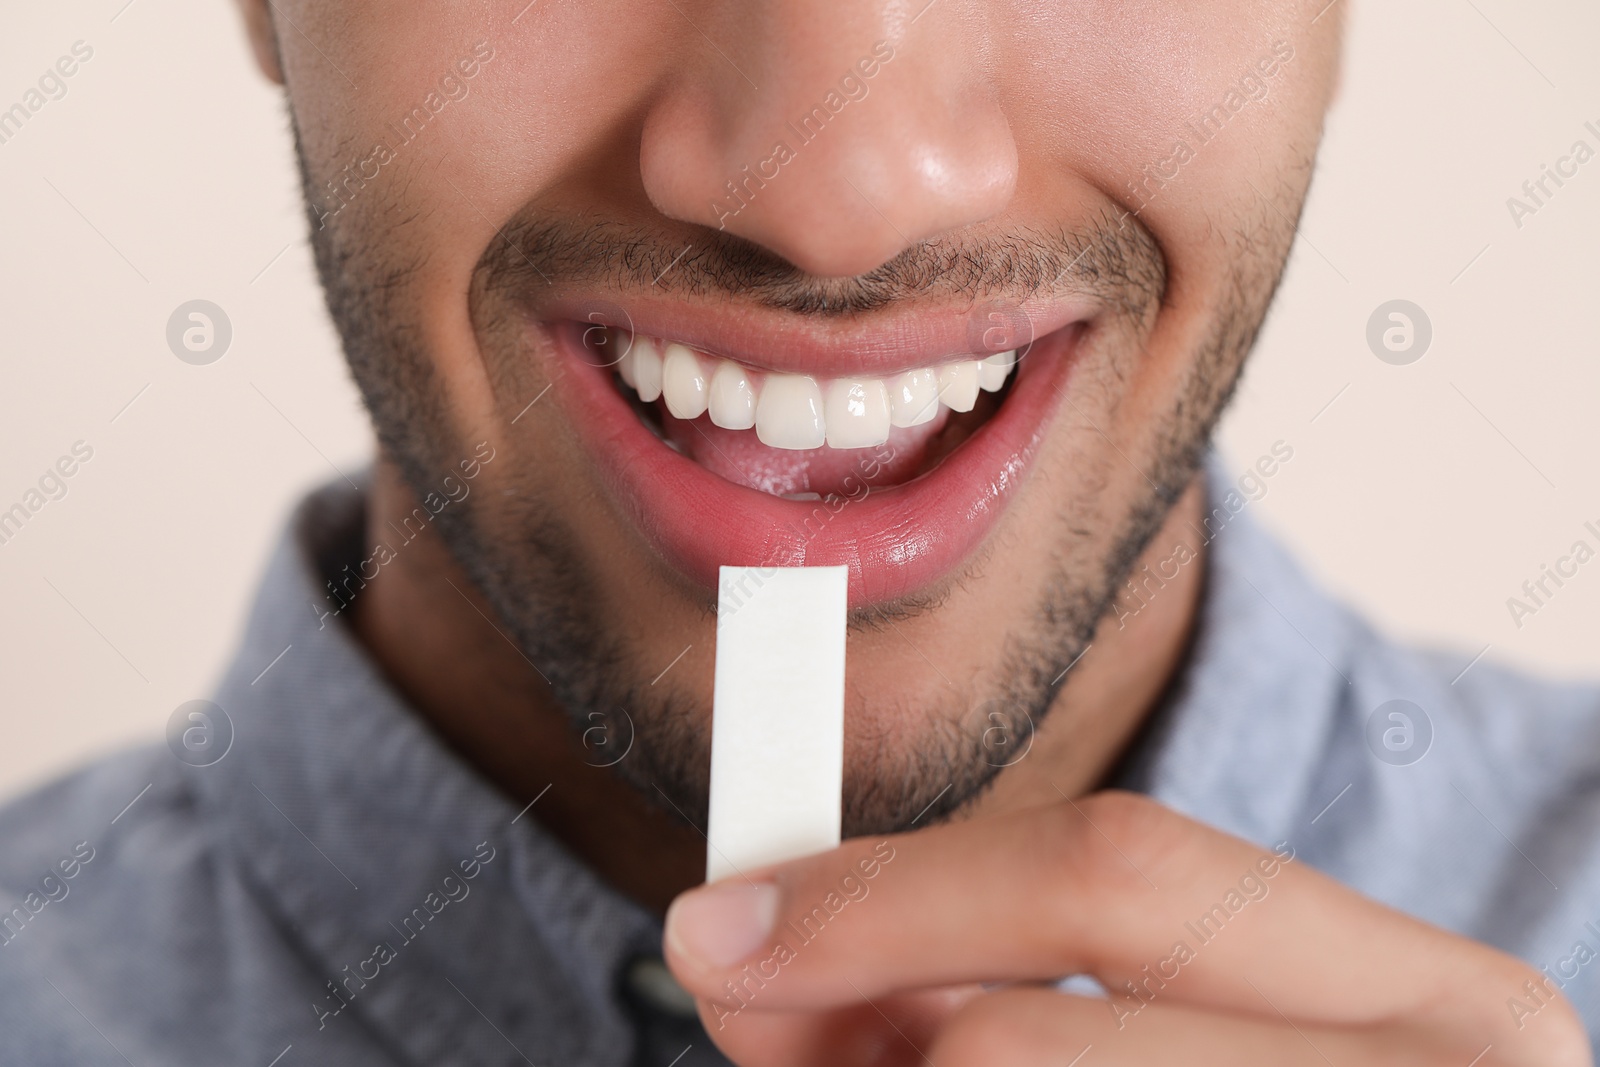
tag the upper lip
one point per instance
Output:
(876, 344)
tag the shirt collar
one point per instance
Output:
(1240, 740)
(341, 804)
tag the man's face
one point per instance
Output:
(832, 207)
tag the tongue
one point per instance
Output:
(741, 458)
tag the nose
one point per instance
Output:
(833, 134)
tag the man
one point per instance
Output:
(949, 294)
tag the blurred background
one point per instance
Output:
(1425, 486)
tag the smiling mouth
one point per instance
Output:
(883, 456)
(801, 436)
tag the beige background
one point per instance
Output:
(1424, 494)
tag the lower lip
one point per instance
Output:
(896, 540)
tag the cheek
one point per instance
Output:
(512, 136)
(1128, 83)
(410, 182)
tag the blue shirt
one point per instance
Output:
(318, 879)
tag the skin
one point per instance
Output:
(515, 618)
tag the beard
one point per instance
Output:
(527, 560)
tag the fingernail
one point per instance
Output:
(722, 924)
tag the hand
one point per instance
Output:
(937, 948)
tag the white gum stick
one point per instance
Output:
(777, 728)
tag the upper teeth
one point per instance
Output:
(796, 410)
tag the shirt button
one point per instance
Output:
(650, 981)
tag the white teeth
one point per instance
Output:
(914, 397)
(993, 372)
(646, 369)
(958, 385)
(795, 411)
(857, 413)
(683, 384)
(618, 342)
(733, 398)
(789, 412)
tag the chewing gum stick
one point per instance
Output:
(777, 720)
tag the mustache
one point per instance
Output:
(1109, 257)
